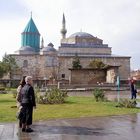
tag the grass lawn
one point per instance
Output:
(73, 108)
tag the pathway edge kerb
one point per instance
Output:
(60, 119)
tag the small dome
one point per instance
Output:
(50, 44)
(81, 34)
(49, 48)
(27, 48)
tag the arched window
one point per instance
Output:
(63, 76)
(25, 63)
(51, 61)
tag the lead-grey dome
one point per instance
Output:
(27, 48)
(50, 44)
(81, 34)
(49, 48)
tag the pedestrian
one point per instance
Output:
(133, 89)
(27, 103)
(18, 98)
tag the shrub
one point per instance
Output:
(127, 103)
(53, 96)
(2, 90)
(99, 95)
(14, 84)
(37, 91)
(97, 64)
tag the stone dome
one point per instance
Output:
(50, 44)
(81, 34)
(27, 49)
(49, 49)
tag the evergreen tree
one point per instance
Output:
(8, 65)
(76, 63)
(2, 71)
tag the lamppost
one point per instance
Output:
(118, 87)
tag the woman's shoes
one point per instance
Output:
(28, 130)
(23, 129)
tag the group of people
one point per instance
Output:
(25, 102)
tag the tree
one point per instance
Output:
(2, 71)
(76, 63)
(97, 64)
(9, 65)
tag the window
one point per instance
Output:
(51, 61)
(84, 42)
(63, 75)
(25, 63)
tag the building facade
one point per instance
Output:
(50, 64)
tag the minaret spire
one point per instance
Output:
(63, 30)
(42, 43)
(63, 21)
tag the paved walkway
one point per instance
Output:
(125, 127)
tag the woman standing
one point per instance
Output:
(18, 97)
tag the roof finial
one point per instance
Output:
(31, 14)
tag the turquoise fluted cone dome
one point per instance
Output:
(31, 36)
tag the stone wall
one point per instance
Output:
(36, 66)
(87, 76)
(122, 62)
(111, 75)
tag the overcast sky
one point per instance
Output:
(116, 22)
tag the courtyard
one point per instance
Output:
(122, 127)
(79, 118)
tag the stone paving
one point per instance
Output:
(126, 127)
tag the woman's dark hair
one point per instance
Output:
(22, 82)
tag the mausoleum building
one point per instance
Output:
(46, 63)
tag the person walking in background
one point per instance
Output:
(27, 103)
(18, 97)
(133, 89)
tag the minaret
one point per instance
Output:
(42, 43)
(31, 36)
(63, 30)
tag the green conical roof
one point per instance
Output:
(31, 36)
(31, 27)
